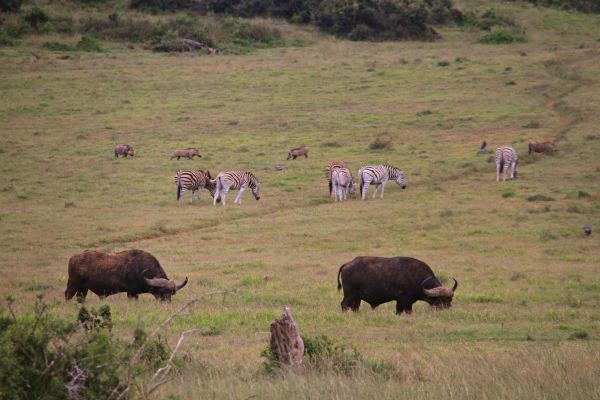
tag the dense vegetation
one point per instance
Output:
(589, 6)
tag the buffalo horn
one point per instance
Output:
(157, 282)
(439, 291)
(455, 284)
(179, 285)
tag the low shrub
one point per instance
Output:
(45, 357)
(6, 40)
(539, 197)
(502, 36)
(532, 125)
(57, 46)
(36, 18)
(87, 43)
(588, 6)
(11, 6)
(380, 143)
(163, 5)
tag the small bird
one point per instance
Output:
(587, 230)
(482, 149)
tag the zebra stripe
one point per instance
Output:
(343, 183)
(379, 175)
(192, 181)
(329, 168)
(240, 180)
(506, 157)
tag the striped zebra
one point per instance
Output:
(506, 157)
(379, 175)
(329, 168)
(236, 180)
(343, 183)
(193, 181)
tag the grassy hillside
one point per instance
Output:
(524, 322)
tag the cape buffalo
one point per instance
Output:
(378, 280)
(131, 271)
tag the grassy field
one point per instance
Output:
(524, 323)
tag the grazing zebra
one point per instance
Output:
(506, 157)
(329, 168)
(379, 174)
(343, 183)
(193, 181)
(236, 180)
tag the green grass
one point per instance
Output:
(527, 274)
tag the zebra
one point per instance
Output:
(506, 157)
(236, 180)
(193, 181)
(379, 174)
(343, 183)
(329, 168)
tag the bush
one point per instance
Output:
(57, 46)
(63, 24)
(164, 5)
(380, 144)
(6, 40)
(36, 18)
(87, 43)
(588, 6)
(45, 357)
(12, 6)
(501, 36)
(539, 197)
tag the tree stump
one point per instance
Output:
(286, 343)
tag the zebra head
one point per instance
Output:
(256, 191)
(399, 178)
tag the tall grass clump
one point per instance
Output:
(502, 36)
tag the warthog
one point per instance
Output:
(123, 150)
(298, 151)
(546, 147)
(189, 153)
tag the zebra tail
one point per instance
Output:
(330, 186)
(178, 186)
(360, 180)
(338, 278)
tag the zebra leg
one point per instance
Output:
(238, 198)
(497, 171)
(181, 193)
(382, 187)
(224, 194)
(365, 188)
(375, 192)
(192, 196)
(504, 172)
(216, 196)
(200, 193)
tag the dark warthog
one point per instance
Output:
(189, 153)
(378, 280)
(546, 147)
(298, 151)
(123, 150)
(131, 271)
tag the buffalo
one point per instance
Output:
(124, 150)
(378, 280)
(131, 271)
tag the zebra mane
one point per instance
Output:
(392, 171)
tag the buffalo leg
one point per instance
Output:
(350, 303)
(70, 292)
(403, 305)
(81, 295)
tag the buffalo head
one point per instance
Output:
(163, 289)
(440, 297)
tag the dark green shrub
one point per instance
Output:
(539, 197)
(45, 357)
(588, 6)
(164, 5)
(87, 43)
(501, 36)
(6, 40)
(12, 6)
(36, 18)
(57, 46)
(63, 24)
